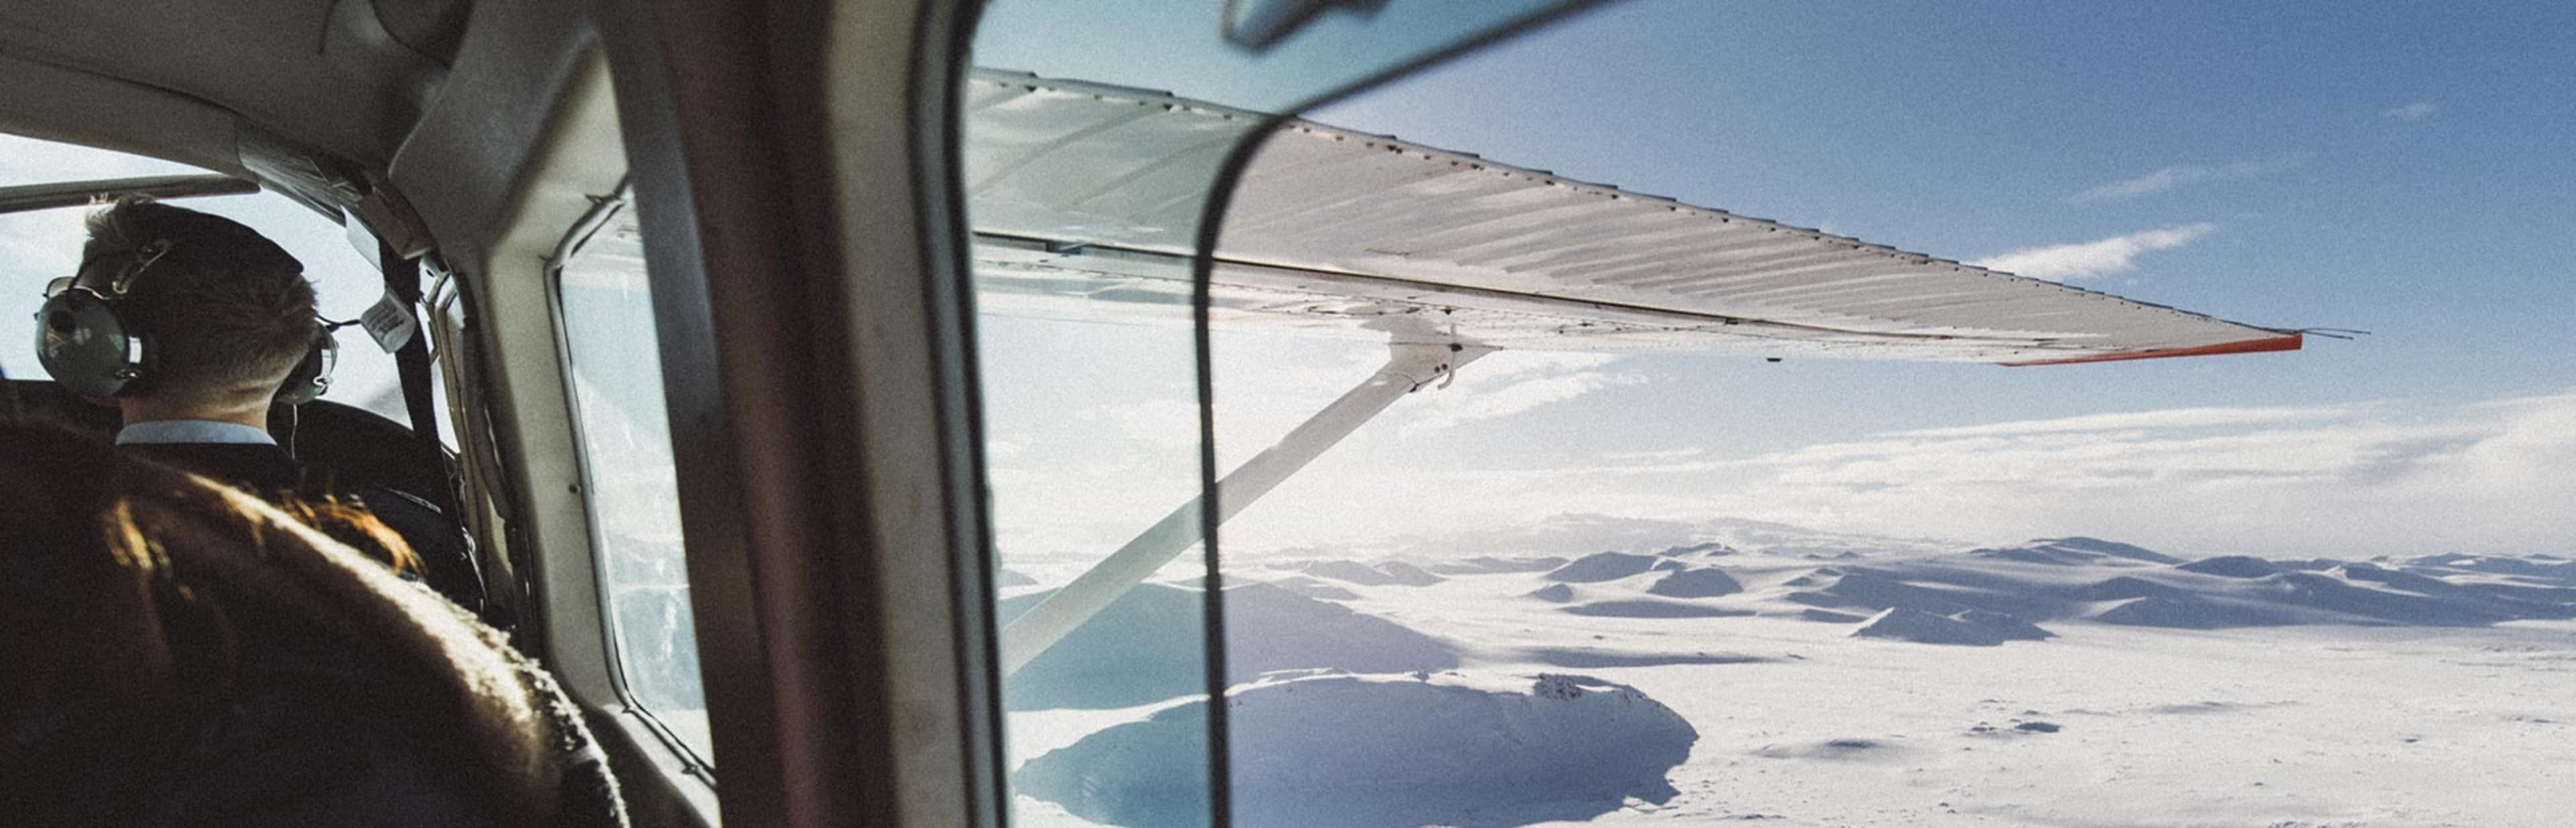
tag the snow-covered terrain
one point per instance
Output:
(1829, 681)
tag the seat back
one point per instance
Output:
(356, 447)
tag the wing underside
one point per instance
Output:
(1084, 195)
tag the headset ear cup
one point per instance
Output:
(84, 344)
(311, 377)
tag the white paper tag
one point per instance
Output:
(389, 320)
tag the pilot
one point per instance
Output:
(195, 325)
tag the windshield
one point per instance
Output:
(37, 246)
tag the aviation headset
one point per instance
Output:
(85, 342)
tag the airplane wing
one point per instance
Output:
(1085, 195)
(1085, 199)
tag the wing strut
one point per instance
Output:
(1408, 368)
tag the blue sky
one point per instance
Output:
(2399, 168)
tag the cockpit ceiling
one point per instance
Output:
(212, 83)
(1082, 195)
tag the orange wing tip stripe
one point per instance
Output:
(2250, 346)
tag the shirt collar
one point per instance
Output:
(192, 431)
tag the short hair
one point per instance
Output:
(227, 311)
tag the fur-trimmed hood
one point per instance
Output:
(152, 618)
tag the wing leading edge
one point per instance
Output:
(1084, 194)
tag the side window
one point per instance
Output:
(616, 388)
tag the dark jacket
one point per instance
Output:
(180, 653)
(447, 563)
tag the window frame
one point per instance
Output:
(841, 636)
(507, 158)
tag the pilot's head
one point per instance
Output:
(227, 311)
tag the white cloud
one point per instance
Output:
(1097, 458)
(2416, 111)
(1104, 441)
(2175, 176)
(2167, 418)
(2094, 258)
(1083, 473)
(1662, 454)
(2345, 481)
(1509, 383)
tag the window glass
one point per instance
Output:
(1085, 191)
(39, 245)
(1673, 585)
(633, 492)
